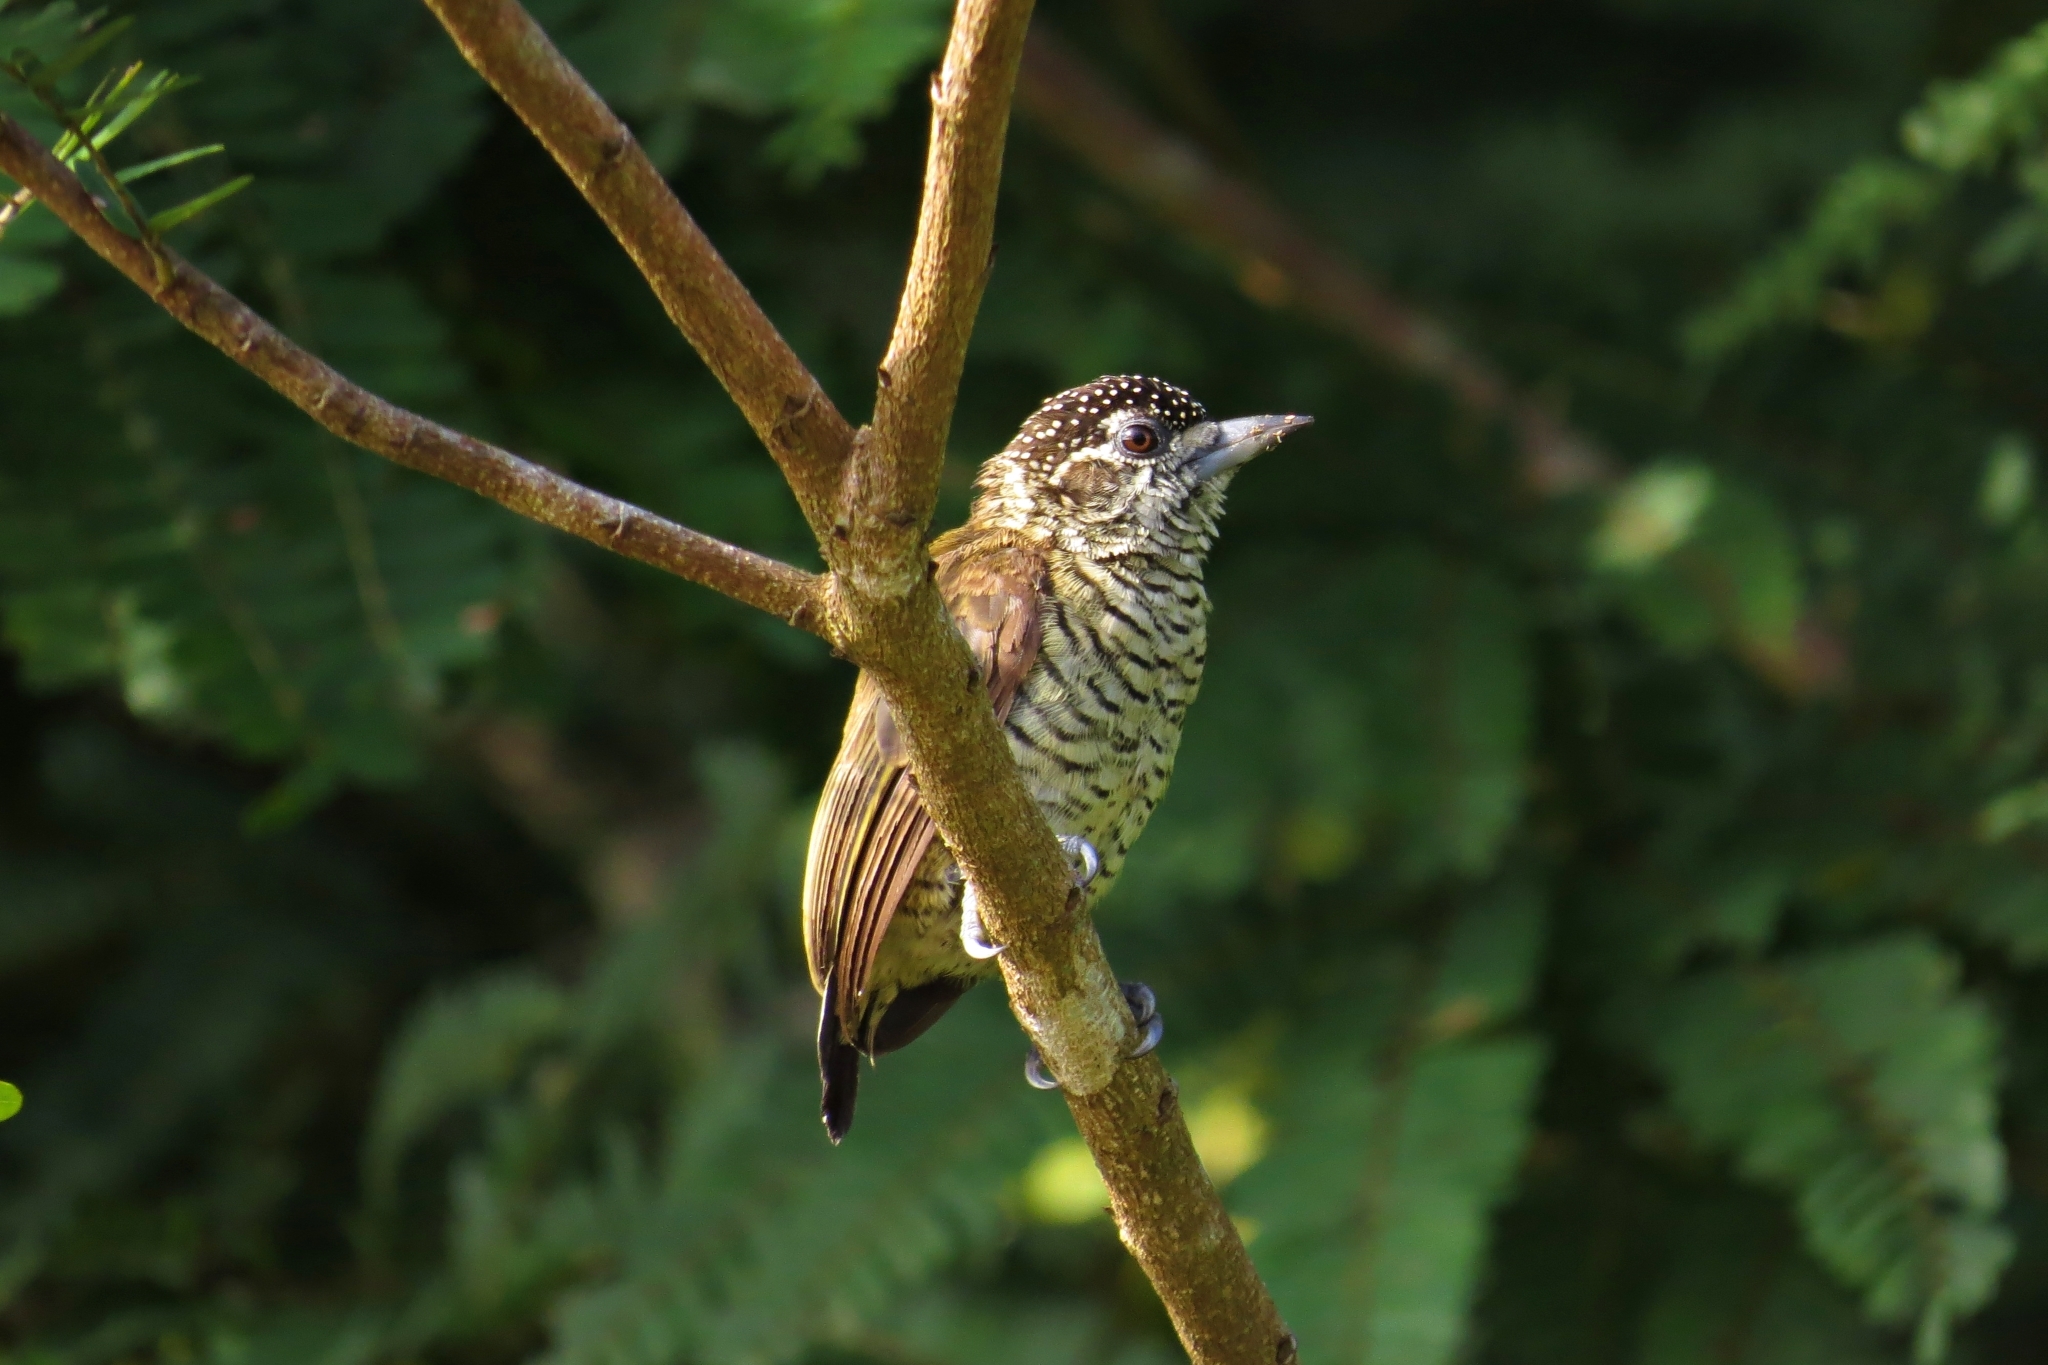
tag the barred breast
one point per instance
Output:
(1098, 720)
(1095, 727)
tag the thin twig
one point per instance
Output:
(781, 400)
(361, 417)
(12, 207)
(49, 99)
(1278, 263)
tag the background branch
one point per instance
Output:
(1279, 263)
(362, 418)
(782, 401)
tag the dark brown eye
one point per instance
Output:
(1140, 438)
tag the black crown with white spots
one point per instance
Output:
(1073, 420)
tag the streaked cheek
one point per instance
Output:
(1087, 482)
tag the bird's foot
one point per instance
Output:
(972, 940)
(1144, 1012)
(1081, 854)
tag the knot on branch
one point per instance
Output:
(795, 407)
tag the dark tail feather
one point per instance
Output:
(838, 1068)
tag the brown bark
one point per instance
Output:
(890, 497)
(869, 499)
(1279, 263)
(787, 408)
(361, 417)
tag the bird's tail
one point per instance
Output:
(838, 1068)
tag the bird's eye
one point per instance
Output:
(1140, 438)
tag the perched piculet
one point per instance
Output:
(1077, 581)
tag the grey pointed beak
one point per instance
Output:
(1227, 445)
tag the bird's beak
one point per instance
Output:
(1230, 444)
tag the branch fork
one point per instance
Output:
(868, 497)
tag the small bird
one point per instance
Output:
(1077, 582)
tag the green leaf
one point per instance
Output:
(10, 1100)
(1738, 1291)
(1401, 735)
(129, 175)
(308, 606)
(192, 208)
(752, 1236)
(1859, 1081)
(1966, 125)
(1392, 1147)
(1848, 231)
(46, 76)
(1700, 558)
(461, 1047)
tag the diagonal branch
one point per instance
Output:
(362, 418)
(891, 492)
(892, 621)
(1279, 262)
(784, 404)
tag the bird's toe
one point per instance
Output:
(1081, 855)
(1035, 1072)
(972, 940)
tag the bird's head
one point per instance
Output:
(1123, 465)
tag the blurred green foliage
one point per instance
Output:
(1607, 930)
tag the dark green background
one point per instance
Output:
(1616, 921)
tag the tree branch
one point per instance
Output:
(892, 622)
(784, 404)
(1279, 263)
(890, 496)
(889, 622)
(362, 418)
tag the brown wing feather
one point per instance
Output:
(871, 831)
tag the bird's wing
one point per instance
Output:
(871, 831)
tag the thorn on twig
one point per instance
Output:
(839, 532)
(882, 376)
(1286, 1352)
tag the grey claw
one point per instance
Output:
(972, 940)
(1087, 862)
(1144, 1012)
(1035, 1073)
